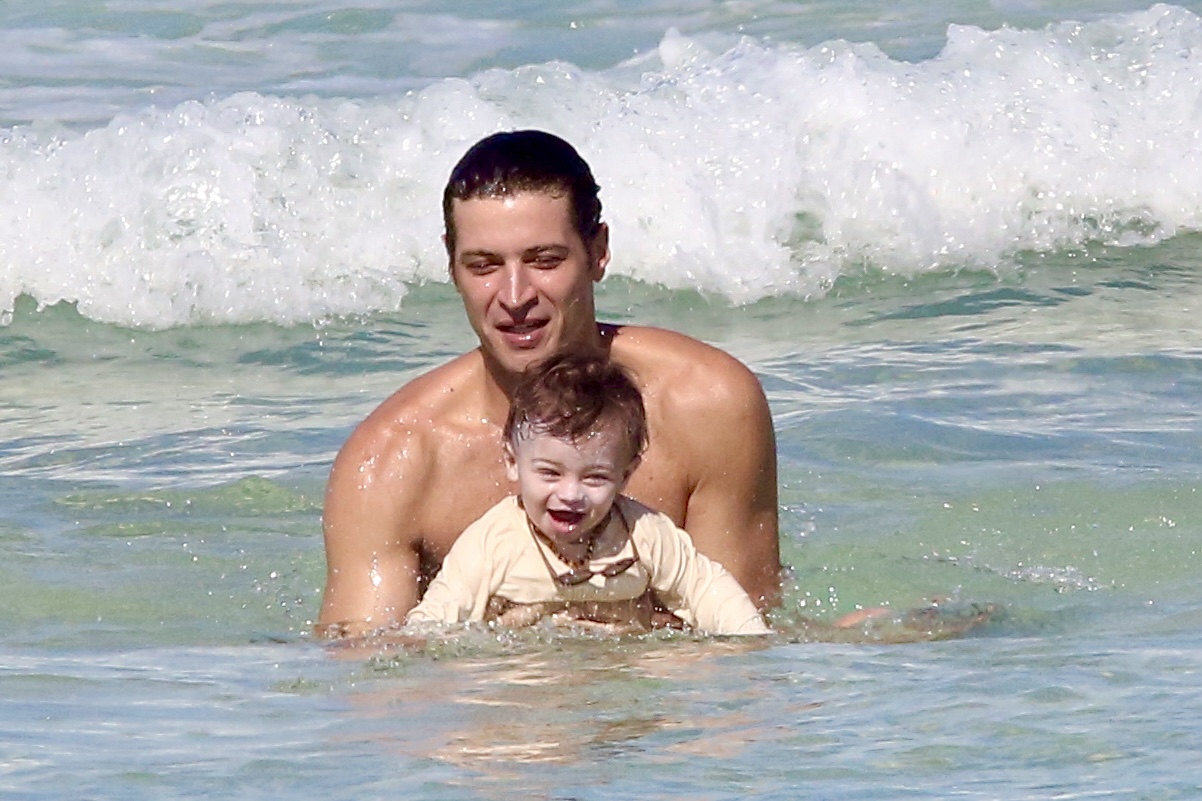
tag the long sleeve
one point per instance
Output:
(465, 582)
(694, 587)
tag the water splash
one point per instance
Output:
(764, 169)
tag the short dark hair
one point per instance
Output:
(512, 162)
(574, 393)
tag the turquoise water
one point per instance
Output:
(963, 261)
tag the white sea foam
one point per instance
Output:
(755, 170)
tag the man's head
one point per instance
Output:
(512, 162)
(516, 206)
(575, 430)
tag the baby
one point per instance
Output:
(569, 544)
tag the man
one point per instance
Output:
(526, 243)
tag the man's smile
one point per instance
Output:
(524, 334)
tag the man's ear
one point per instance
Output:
(450, 260)
(511, 460)
(599, 251)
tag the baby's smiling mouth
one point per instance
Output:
(565, 517)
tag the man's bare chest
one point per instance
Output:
(466, 484)
(469, 479)
(662, 483)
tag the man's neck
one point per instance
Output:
(496, 387)
(499, 382)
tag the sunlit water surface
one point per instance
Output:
(963, 262)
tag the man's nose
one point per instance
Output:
(517, 291)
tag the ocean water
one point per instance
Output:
(960, 244)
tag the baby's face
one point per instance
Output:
(568, 486)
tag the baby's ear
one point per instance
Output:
(630, 468)
(511, 460)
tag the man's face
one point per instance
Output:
(567, 487)
(525, 275)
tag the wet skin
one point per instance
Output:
(427, 461)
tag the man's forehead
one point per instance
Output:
(511, 198)
(539, 214)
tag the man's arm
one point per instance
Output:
(732, 510)
(372, 564)
(465, 582)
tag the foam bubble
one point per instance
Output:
(745, 171)
(250, 208)
(784, 167)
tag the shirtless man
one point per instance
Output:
(526, 243)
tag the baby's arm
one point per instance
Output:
(460, 590)
(697, 588)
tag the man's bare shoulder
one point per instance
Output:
(434, 400)
(709, 417)
(403, 436)
(683, 373)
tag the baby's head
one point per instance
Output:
(575, 432)
(573, 396)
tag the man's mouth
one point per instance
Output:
(522, 335)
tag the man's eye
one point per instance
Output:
(479, 267)
(546, 261)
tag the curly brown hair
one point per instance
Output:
(573, 394)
